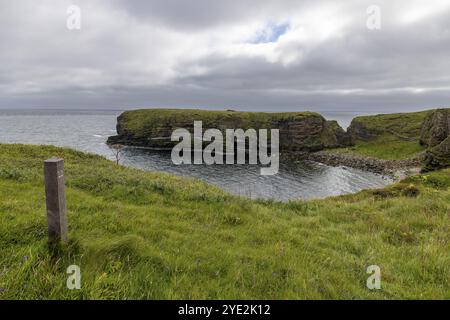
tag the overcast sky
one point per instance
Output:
(246, 55)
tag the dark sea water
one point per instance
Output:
(88, 131)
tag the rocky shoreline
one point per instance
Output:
(396, 169)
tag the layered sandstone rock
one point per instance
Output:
(299, 131)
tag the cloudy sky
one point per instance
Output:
(247, 55)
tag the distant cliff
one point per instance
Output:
(299, 131)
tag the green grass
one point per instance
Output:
(386, 146)
(141, 122)
(149, 235)
(405, 124)
(394, 136)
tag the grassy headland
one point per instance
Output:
(146, 235)
(299, 131)
(387, 136)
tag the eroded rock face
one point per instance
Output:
(298, 131)
(438, 157)
(339, 137)
(436, 128)
(358, 131)
(435, 134)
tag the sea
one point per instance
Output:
(88, 130)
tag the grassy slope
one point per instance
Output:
(387, 145)
(138, 235)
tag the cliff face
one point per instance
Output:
(436, 128)
(439, 156)
(435, 134)
(299, 131)
(358, 131)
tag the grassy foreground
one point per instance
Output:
(148, 235)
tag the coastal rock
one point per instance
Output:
(358, 131)
(338, 136)
(438, 157)
(435, 134)
(436, 128)
(299, 131)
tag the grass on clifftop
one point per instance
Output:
(142, 235)
(406, 124)
(396, 136)
(386, 146)
(139, 121)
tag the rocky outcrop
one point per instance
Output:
(435, 134)
(339, 136)
(438, 157)
(299, 131)
(359, 131)
(436, 128)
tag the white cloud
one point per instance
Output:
(416, 11)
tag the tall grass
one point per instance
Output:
(141, 235)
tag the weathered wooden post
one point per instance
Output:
(55, 199)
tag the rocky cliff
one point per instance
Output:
(435, 134)
(299, 131)
(435, 128)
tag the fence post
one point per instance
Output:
(55, 200)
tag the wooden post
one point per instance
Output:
(55, 199)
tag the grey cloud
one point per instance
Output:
(201, 14)
(118, 59)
